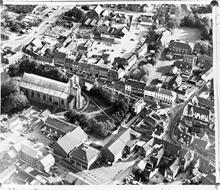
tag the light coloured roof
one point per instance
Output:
(72, 139)
(48, 160)
(45, 85)
(30, 151)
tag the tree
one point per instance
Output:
(14, 70)
(8, 88)
(71, 116)
(14, 103)
(172, 23)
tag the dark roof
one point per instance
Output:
(204, 165)
(183, 65)
(59, 55)
(180, 44)
(201, 111)
(205, 102)
(84, 154)
(150, 88)
(195, 129)
(136, 84)
(183, 136)
(150, 121)
(209, 180)
(59, 124)
(159, 130)
(169, 147)
(165, 92)
(199, 143)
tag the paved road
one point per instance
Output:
(176, 113)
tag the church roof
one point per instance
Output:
(45, 85)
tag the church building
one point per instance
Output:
(52, 92)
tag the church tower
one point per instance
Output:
(75, 91)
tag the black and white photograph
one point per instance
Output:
(108, 94)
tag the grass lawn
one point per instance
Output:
(101, 117)
(91, 107)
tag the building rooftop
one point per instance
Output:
(59, 124)
(84, 153)
(45, 85)
(69, 141)
(201, 111)
(136, 84)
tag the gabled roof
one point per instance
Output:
(119, 141)
(30, 151)
(98, 9)
(46, 85)
(69, 141)
(201, 111)
(166, 92)
(181, 44)
(183, 65)
(136, 84)
(84, 153)
(47, 160)
(59, 124)
(59, 55)
(204, 102)
(198, 143)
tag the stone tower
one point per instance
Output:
(75, 91)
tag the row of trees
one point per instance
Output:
(12, 99)
(90, 124)
(196, 21)
(29, 66)
(21, 9)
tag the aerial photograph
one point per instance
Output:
(107, 94)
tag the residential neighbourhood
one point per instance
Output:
(112, 94)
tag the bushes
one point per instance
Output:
(29, 66)
(21, 9)
(92, 125)
(195, 21)
(12, 99)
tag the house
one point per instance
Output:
(29, 154)
(139, 105)
(52, 92)
(113, 150)
(200, 144)
(183, 137)
(184, 67)
(178, 47)
(141, 51)
(45, 163)
(56, 126)
(70, 141)
(166, 96)
(175, 167)
(200, 113)
(203, 103)
(112, 75)
(14, 58)
(188, 158)
(11, 122)
(204, 61)
(84, 156)
(135, 87)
